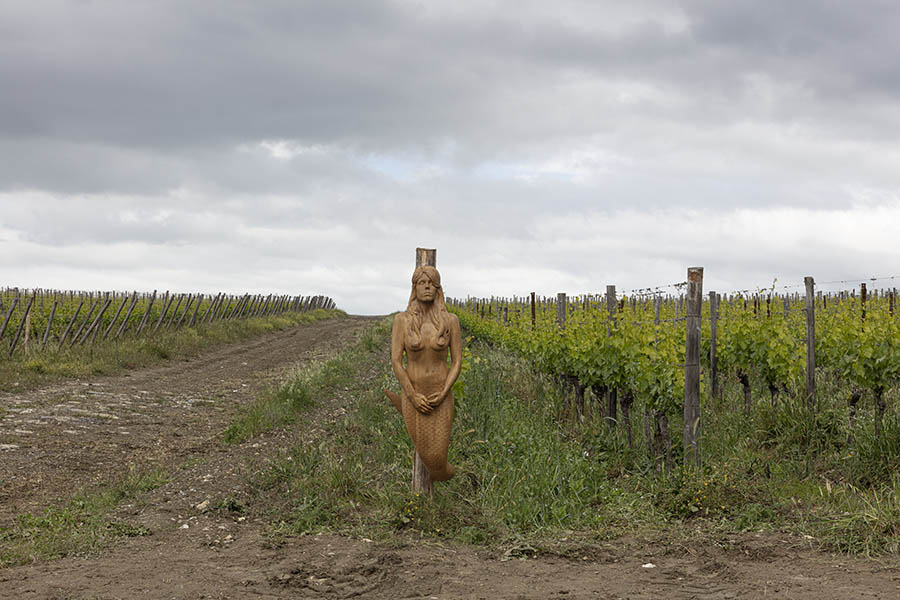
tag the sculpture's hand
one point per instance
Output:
(436, 398)
(421, 403)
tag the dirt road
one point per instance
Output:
(60, 438)
(55, 440)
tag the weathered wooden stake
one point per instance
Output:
(27, 339)
(115, 318)
(421, 479)
(12, 307)
(713, 359)
(146, 315)
(612, 412)
(27, 332)
(862, 299)
(12, 345)
(196, 310)
(187, 309)
(95, 324)
(49, 324)
(561, 304)
(71, 323)
(87, 320)
(533, 320)
(167, 302)
(174, 312)
(124, 325)
(810, 342)
(692, 367)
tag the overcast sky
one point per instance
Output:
(310, 146)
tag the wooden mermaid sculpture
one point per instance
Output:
(426, 332)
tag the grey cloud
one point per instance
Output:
(379, 75)
(160, 106)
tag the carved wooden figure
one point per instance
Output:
(426, 332)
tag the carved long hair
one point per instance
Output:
(417, 312)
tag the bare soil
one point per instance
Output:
(56, 440)
(59, 439)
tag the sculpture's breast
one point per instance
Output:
(434, 339)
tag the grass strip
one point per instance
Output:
(282, 406)
(115, 356)
(78, 527)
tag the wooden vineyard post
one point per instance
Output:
(561, 302)
(713, 359)
(692, 367)
(165, 308)
(68, 328)
(124, 325)
(421, 480)
(862, 299)
(25, 315)
(810, 342)
(174, 312)
(196, 309)
(146, 315)
(612, 414)
(87, 320)
(116, 317)
(27, 339)
(49, 323)
(95, 323)
(187, 309)
(213, 302)
(9, 312)
(532, 312)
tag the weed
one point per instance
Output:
(872, 460)
(228, 504)
(36, 365)
(711, 493)
(77, 527)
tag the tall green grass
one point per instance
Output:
(528, 470)
(520, 472)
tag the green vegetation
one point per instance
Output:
(25, 371)
(283, 405)
(520, 472)
(532, 470)
(78, 527)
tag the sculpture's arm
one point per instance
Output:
(455, 362)
(419, 400)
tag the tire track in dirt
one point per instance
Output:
(331, 567)
(60, 438)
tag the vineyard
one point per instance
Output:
(633, 353)
(48, 320)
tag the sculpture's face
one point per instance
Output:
(425, 290)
